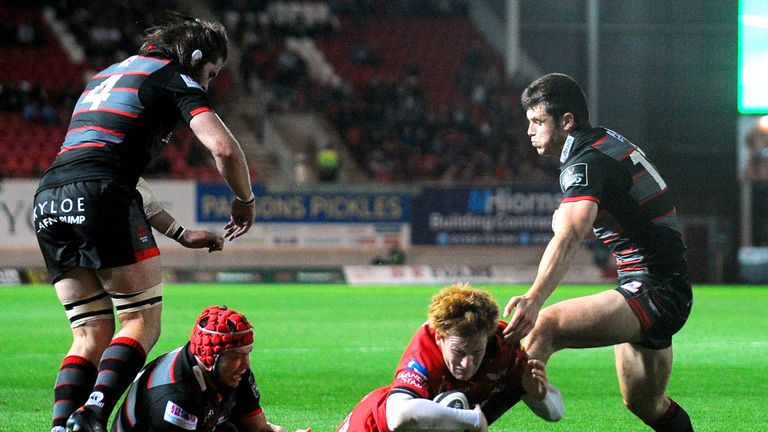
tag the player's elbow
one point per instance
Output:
(551, 408)
(395, 421)
(398, 417)
(222, 149)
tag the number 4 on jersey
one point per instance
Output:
(101, 92)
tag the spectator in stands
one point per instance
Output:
(328, 163)
(28, 34)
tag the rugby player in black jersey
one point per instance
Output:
(93, 233)
(206, 385)
(610, 188)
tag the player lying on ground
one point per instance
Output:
(460, 347)
(206, 385)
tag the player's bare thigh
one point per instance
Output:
(133, 277)
(91, 336)
(600, 319)
(643, 377)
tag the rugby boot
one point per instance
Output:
(84, 420)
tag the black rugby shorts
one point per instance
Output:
(91, 224)
(661, 304)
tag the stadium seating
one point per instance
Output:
(431, 46)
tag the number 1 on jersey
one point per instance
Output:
(101, 93)
(638, 157)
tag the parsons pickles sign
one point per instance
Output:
(214, 201)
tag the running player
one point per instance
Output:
(610, 187)
(92, 231)
(460, 347)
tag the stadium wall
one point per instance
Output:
(479, 234)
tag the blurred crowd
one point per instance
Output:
(392, 130)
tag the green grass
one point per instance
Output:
(320, 348)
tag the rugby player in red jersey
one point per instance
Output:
(460, 347)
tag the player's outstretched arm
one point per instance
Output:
(230, 161)
(259, 423)
(541, 397)
(164, 222)
(572, 224)
(404, 412)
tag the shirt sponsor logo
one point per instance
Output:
(176, 415)
(127, 62)
(410, 379)
(566, 148)
(616, 135)
(633, 286)
(190, 81)
(574, 175)
(417, 367)
(96, 399)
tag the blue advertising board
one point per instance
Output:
(214, 199)
(484, 215)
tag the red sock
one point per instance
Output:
(119, 364)
(674, 420)
(73, 385)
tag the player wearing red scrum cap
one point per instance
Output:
(206, 385)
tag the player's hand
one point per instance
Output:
(242, 216)
(483, 422)
(534, 380)
(198, 239)
(524, 318)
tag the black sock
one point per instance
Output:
(73, 385)
(119, 364)
(674, 420)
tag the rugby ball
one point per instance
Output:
(453, 399)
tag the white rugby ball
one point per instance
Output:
(453, 399)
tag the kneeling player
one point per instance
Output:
(460, 347)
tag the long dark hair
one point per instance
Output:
(180, 35)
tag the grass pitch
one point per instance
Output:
(320, 348)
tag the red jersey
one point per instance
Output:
(422, 373)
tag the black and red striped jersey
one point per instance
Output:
(636, 218)
(170, 394)
(123, 118)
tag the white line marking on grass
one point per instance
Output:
(300, 350)
(343, 350)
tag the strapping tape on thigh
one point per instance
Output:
(93, 308)
(132, 302)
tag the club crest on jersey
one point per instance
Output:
(574, 175)
(176, 415)
(190, 81)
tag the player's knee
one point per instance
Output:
(542, 340)
(141, 309)
(90, 315)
